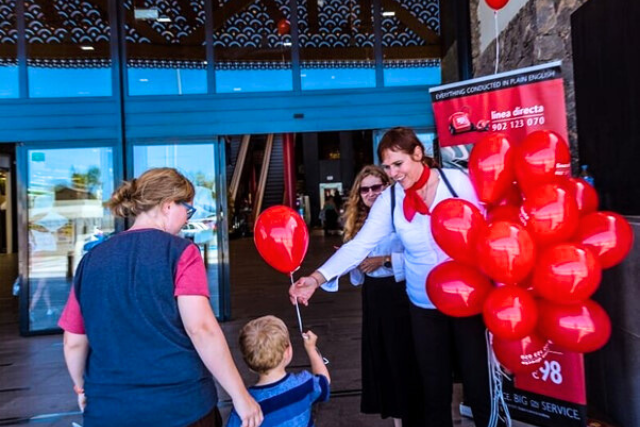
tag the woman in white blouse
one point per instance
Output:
(441, 342)
(389, 384)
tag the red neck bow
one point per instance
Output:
(413, 202)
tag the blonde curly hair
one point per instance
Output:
(356, 212)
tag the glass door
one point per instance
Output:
(63, 191)
(199, 162)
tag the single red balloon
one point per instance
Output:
(504, 213)
(496, 4)
(455, 225)
(542, 155)
(582, 327)
(510, 313)
(550, 214)
(457, 290)
(284, 27)
(491, 167)
(585, 195)
(523, 355)
(282, 238)
(506, 252)
(566, 273)
(607, 234)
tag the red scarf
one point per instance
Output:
(413, 202)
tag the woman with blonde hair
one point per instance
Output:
(389, 384)
(141, 341)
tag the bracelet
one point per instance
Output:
(316, 280)
(78, 390)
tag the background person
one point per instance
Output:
(389, 384)
(141, 341)
(439, 340)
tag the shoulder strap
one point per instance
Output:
(448, 184)
(393, 204)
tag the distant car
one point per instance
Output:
(198, 232)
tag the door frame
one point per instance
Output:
(22, 178)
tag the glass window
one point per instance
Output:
(336, 44)
(68, 48)
(166, 52)
(410, 42)
(66, 192)
(252, 46)
(8, 50)
(196, 162)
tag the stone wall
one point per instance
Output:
(539, 33)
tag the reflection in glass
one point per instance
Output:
(336, 44)
(8, 50)
(252, 46)
(68, 49)
(197, 163)
(411, 42)
(66, 192)
(166, 52)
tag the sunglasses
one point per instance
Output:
(377, 188)
(190, 209)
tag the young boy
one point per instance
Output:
(285, 398)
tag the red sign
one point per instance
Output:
(515, 103)
(561, 376)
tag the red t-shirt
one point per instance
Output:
(191, 279)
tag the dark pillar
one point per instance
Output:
(312, 173)
(289, 160)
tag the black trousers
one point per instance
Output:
(442, 342)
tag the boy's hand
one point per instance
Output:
(310, 340)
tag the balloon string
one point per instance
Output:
(496, 376)
(297, 308)
(324, 359)
(495, 21)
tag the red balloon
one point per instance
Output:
(542, 155)
(506, 252)
(566, 273)
(550, 214)
(456, 224)
(457, 290)
(510, 313)
(584, 193)
(496, 4)
(282, 238)
(283, 26)
(513, 195)
(581, 327)
(491, 167)
(607, 234)
(523, 355)
(504, 213)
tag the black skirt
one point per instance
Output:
(391, 383)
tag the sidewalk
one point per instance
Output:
(34, 381)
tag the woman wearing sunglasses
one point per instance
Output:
(141, 342)
(441, 342)
(389, 384)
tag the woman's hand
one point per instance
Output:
(371, 264)
(303, 289)
(249, 411)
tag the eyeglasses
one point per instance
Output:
(375, 188)
(190, 209)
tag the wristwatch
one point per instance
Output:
(387, 262)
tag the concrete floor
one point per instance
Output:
(35, 387)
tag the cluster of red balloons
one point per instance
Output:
(532, 265)
(282, 238)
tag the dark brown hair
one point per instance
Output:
(404, 140)
(152, 188)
